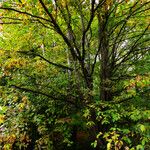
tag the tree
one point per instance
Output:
(91, 54)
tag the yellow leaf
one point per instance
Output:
(2, 119)
(109, 146)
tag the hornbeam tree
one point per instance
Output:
(88, 49)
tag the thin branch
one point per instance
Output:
(10, 23)
(18, 19)
(124, 57)
(23, 12)
(33, 91)
(52, 63)
(129, 38)
(10, 18)
(136, 52)
(41, 93)
(43, 24)
(131, 15)
(123, 100)
(115, 46)
(100, 4)
(116, 43)
(123, 25)
(57, 65)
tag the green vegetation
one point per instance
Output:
(75, 75)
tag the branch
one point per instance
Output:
(10, 18)
(57, 65)
(102, 30)
(129, 98)
(18, 19)
(124, 57)
(43, 24)
(59, 31)
(131, 56)
(10, 23)
(123, 25)
(123, 100)
(92, 15)
(40, 93)
(101, 37)
(26, 13)
(70, 30)
(134, 12)
(115, 46)
(100, 4)
(123, 22)
(33, 91)
(129, 38)
(52, 63)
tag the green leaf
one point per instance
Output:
(139, 147)
(142, 128)
(94, 144)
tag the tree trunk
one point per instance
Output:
(105, 70)
(105, 75)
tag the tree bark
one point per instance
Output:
(105, 70)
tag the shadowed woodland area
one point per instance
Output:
(75, 75)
